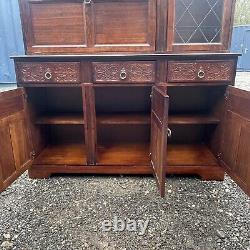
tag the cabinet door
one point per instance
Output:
(199, 25)
(123, 25)
(159, 128)
(54, 26)
(15, 143)
(236, 137)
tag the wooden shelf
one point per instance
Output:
(116, 119)
(190, 155)
(125, 154)
(62, 154)
(119, 119)
(60, 119)
(138, 154)
(193, 119)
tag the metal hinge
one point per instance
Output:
(25, 96)
(219, 155)
(226, 95)
(32, 154)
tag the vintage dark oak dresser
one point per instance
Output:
(126, 87)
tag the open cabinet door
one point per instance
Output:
(159, 128)
(15, 143)
(235, 149)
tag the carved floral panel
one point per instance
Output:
(124, 72)
(200, 71)
(49, 72)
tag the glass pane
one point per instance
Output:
(198, 21)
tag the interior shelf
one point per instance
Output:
(60, 119)
(126, 118)
(126, 154)
(138, 154)
(123, 154)
(63, 154)
(190, 155)
(137, 119)
(193, 119)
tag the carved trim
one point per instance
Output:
(136, 72)
(60, 72)
(188, 71)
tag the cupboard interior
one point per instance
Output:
(123, 124)
(57, 113)
(195, 114)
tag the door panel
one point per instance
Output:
(15, 141)
(124, 25)
(158, 147)
(54, 26)
(77, 26)
(236, 133)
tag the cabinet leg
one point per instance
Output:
(217, 174)
(38, 174)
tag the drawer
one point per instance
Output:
(200, 71)
(49, 72)
(124, 72)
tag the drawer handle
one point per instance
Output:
(48, 75)
(201, 73)
(123, 74)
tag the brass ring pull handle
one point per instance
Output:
(123, 74)
(87, 1)
(48, 75)
(201, 73)
(169, 132)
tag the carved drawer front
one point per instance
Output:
(124, 72)
(48, 72)
(200, 71)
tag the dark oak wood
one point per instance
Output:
(90, 122)
(60, 119)
(88, 77)
(127, 118)
(99, 26)
(48, 72)
(63, 154)
(235, 146)
(200, 71)
(124, 72)
(193, 119)
(158, 140)
(206, 173)
(16, 149)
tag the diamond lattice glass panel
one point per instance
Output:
(198, 21)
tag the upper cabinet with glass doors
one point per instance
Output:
(94, 26)
(199, 25)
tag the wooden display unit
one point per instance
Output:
(126, 87)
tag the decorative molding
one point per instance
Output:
(60, 72)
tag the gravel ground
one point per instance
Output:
(66, 212)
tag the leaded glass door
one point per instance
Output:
(199, 25)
